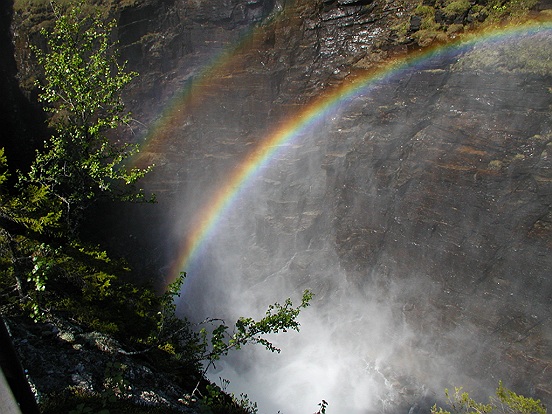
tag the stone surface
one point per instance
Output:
(60, 355)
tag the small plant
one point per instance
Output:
(323, 404)
(456, 8)
(505, 402)
(218, 400)
(278, 318)
(509, 401)
(246, 404)
(115, 382)
(216, 342)
(43, 262)
(213, 397)
(425, 11)
(115, 386)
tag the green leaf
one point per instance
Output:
(82, 85)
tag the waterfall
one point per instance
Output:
(414, 203)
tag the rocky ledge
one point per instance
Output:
(62, 361)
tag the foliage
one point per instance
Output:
(513, 402)
(148, 323)
(323, 405)
(528, 55)
(505, 402)
(25, 259)
(217, 400)
(446, 19)
(500, 10)
(423, 10)
(32, 208)
(115, 385)
(44, 268)
(43, 265)
(83, 81)
(215, 339)
(41, 278)
(278, 318)
(455, 8)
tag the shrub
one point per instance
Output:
(456, 8)
(505, 402)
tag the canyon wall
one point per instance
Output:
(417, 208)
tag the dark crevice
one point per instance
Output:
(23, 122)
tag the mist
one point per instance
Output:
(411, 211)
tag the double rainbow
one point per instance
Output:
(205, 225)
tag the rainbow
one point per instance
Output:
(205, 224)
(192, 94)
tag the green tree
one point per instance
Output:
(25, 216)
(82, 86)
(80, 163)
(31, 207)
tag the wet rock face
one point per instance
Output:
(168, 42)
(19, 135)
(451, 148)
(448, 182)
(171, 30)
